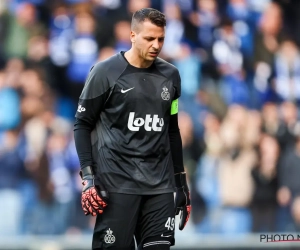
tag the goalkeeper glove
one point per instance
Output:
(93, 197)
(182, 199)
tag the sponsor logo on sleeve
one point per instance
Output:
(80, 109)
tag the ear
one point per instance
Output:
(132, 36)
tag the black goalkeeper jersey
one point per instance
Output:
(130, 109)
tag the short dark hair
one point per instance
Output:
(153, 15)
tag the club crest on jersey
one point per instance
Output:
(109, 238)
(165, 95)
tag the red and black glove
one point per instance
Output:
(182, 199)
(94, 197)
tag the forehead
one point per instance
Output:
(147, 28)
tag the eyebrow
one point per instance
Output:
(153, 37)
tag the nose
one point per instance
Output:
(155, 44)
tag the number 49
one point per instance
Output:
(170, 223)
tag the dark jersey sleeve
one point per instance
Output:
(177, 86)
(176, 144)
(91, 102)
(174, 133)
(94, 95)
(82, 134)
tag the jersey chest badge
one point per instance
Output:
(109, 238)
(165, 95)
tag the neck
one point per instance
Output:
(135, 60)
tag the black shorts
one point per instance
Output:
(150, 219)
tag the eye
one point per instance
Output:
(161, 39)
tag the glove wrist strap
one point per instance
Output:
(180, 180)
(86, 171)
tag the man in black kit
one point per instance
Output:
(129, 145)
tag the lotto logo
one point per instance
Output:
(149, 123)
(80, 109)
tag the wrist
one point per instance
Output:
(86, 172)
(180, 180)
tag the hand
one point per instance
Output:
(284, 196)
(182, 199)
(94, 197)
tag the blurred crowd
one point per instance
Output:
(239, 62)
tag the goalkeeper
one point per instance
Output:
(129, 145)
